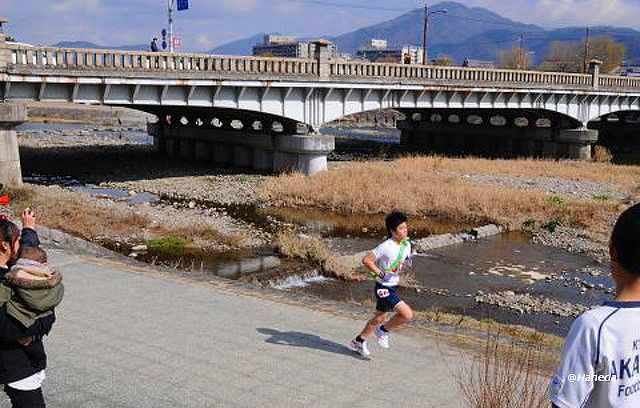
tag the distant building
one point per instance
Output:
(343, 56)
(285, 46)
(377, 50)
(279, 39)
(631, 71)
(469, 63)
(375, 43)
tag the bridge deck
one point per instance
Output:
(28, 60)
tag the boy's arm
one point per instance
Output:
(29, 236)
(578, 359)
(404, 278)
(369, 261)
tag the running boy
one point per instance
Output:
(386, 262)
(600, 365)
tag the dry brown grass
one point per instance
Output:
(568, 169)
(313, 250)
(74, 213)
(507, 374)
(84, 216)
(418, 186)
(602, 155)
(515, 331)
(201, 236)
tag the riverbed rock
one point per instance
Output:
(486, 231)
(525, 303)
(437, 241)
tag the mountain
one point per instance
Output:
(463, 32)
(239, 47)
(90, 45)
(450, 30)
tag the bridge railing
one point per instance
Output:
(618, 82)
(459, 74)
(88, 59)
(54, 58)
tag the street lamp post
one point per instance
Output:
(427, 13)
(171, 4)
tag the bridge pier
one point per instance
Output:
(622, 136)
(306, 154)
(498, 141)
(10, 117)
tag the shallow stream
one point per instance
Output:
(447, 279)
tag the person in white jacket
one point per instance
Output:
(600, 364)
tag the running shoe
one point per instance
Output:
(360, 347)
(382, 337)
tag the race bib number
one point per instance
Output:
(383, 293)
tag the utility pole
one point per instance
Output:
(427, 13)
(586, 52)
(171, 5)
(521, 54)
(424, 34)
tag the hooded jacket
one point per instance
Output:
(15, 362)
(31, 290)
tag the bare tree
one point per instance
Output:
(607, 50)
(515, 58)
(569, 56)
(563, 56)
(387, 59)
(443, 61)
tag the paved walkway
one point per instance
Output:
(128, 339)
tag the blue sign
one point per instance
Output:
(183, 5)
(164, 45)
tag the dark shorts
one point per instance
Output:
(386, 297)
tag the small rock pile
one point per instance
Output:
(443, 240)
(525, 303)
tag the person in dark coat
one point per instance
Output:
(19, 371)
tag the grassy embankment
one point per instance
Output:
(84, 216)
(434, 186)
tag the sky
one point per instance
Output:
(209, 23)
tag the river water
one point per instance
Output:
(450, 278)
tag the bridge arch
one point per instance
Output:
(509, 118)
(619, 131)
(224, 119)
(507, 133)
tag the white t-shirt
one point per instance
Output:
(386, 253)
(600, 366)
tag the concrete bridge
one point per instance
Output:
(264, 113)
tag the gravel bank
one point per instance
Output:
(576, 188)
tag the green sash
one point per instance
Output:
(398, 261)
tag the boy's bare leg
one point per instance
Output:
(377, 319)
(403, 315)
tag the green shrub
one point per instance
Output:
(168, 245)
(554, 224)
(603, 197)
(557, 200)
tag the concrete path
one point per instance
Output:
(130, 339)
